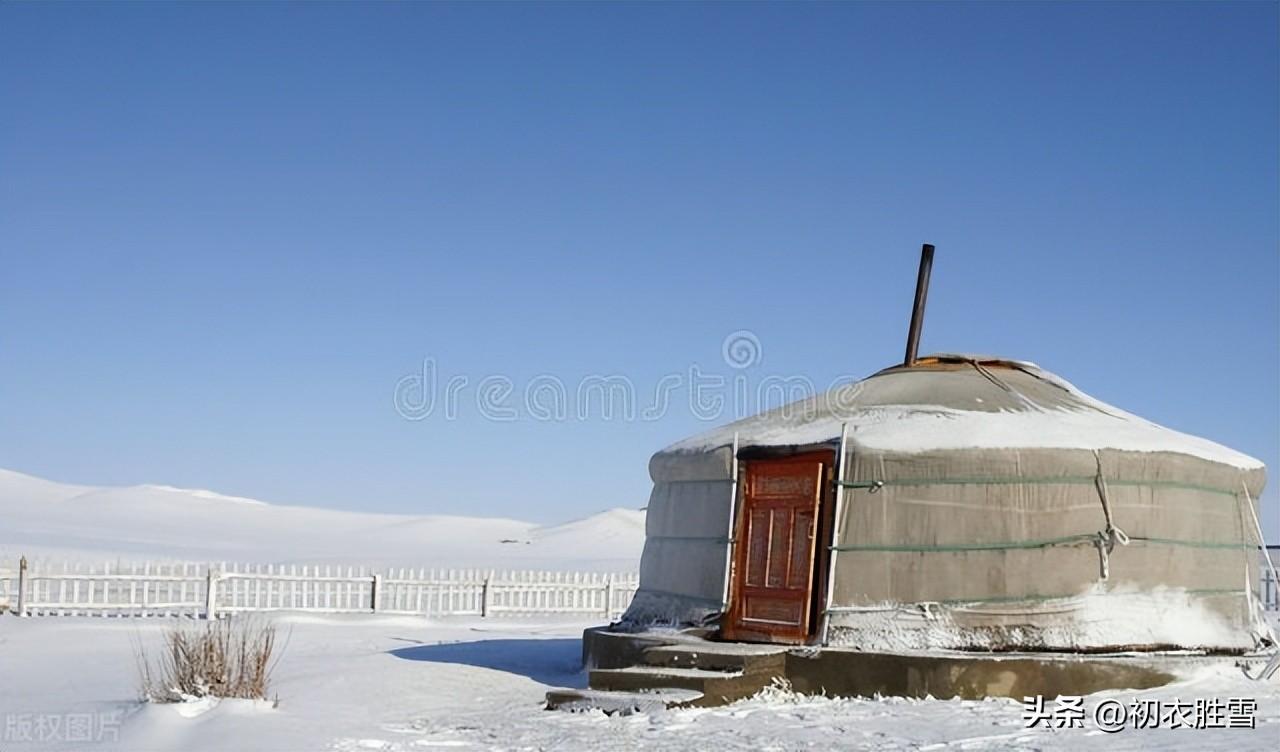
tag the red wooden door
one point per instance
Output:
(774, 562)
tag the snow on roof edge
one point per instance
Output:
(913, 428)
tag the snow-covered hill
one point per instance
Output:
(46, 518)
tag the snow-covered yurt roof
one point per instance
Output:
(950, 401)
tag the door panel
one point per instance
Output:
(772, 591)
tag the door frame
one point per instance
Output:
(824, 520)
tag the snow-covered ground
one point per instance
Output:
(44, 518)
(370, 682)
(367, 683)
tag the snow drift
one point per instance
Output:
(44, 517)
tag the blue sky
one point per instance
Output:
(228, 231)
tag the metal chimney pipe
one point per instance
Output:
(917, 310)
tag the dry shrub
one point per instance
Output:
(219, 658)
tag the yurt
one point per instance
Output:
(954, 502)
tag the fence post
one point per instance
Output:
(484, 595)
(377, 593)
(22, 586)
(210, 593)
(608, 596)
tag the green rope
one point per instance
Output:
(1190, 543)
(1037, 598)
(994, 546)
(1046, 480)
(1028, 544)
(1040, 598)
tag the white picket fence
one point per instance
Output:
(208, 590)
(191, 589)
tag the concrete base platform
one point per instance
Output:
(721, 672)
(851, 673)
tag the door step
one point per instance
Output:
(685, 672)
(719, 674)
(657, 677)
(740, 657)
(620, 703)
(715, 687)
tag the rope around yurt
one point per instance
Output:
(1111, 535)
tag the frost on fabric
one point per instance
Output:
(1098, 619)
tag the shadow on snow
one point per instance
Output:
(557, 662)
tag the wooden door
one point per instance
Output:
(773, 574)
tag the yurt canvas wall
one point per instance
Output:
(683, 567)
(1010, 548)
